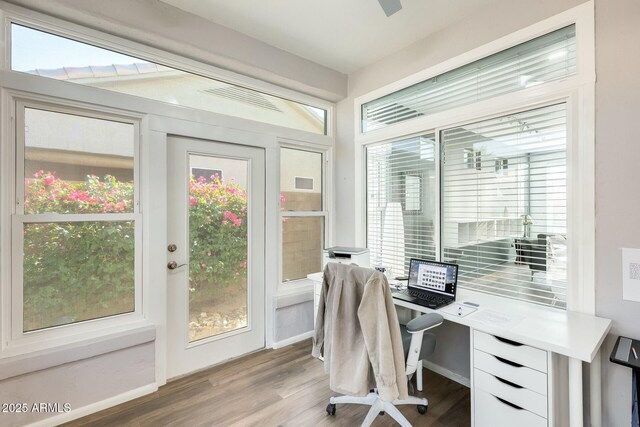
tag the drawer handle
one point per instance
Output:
(508, 362)
(510, 404)
(514, 385)
(506, 341)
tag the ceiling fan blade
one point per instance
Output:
(390, 6)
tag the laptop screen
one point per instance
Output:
(438, 277)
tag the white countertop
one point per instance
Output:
(569, 333)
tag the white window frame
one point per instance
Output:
(577, 91)
(12, 14)
(304, 284)
(157, 120)
(14, 340)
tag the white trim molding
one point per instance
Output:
(293, 340)
(96, 407)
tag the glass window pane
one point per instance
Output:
(76, 271)
(75, 164)
(300, 180)
(543, 59)
(505, 218)
(401, 209)
(302, 245)
(47, 55)
(218, 239)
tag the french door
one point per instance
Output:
(215, 257)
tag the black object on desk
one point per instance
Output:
(626, 352)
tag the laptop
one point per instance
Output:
(431, 284)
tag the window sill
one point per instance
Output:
(49, 358)
(294, 292)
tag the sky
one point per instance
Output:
(31, 49)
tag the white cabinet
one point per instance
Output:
(496, 412)
(510, 384)
(463, 232)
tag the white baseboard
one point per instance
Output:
(293, 340)
(446, 373)
(95, 407)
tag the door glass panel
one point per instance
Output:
(218, 246)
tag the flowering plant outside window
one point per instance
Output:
(218, 234)
(82, 270)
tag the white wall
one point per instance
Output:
(300, 163)
(617, 178)
(117, 373)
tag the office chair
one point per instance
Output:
(355, 286)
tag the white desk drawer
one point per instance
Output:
(510, 371)
(521, 397)
(491, 412)
(519, 353)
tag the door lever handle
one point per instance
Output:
(173, 265)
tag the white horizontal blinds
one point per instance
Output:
(504, 218)
(401, 202)
(546, 58)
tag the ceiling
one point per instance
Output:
(344, 35)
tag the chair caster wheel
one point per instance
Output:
(381, 413)
(422, 409)
(331, 409)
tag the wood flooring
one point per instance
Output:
(284, 387)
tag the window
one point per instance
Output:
(503, 219)
(48, 55)
(76, 219)
(543, 59)
(514, 174)
(303, 217)
(505, 223)
(401, 202)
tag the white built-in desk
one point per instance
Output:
(532, 328)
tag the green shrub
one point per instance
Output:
(218, 235)
(75, 271)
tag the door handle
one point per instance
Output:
(173, 265)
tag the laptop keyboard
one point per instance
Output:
(428, 298)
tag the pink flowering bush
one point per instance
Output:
(75, 271)
(218, 235)
(46, 193)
